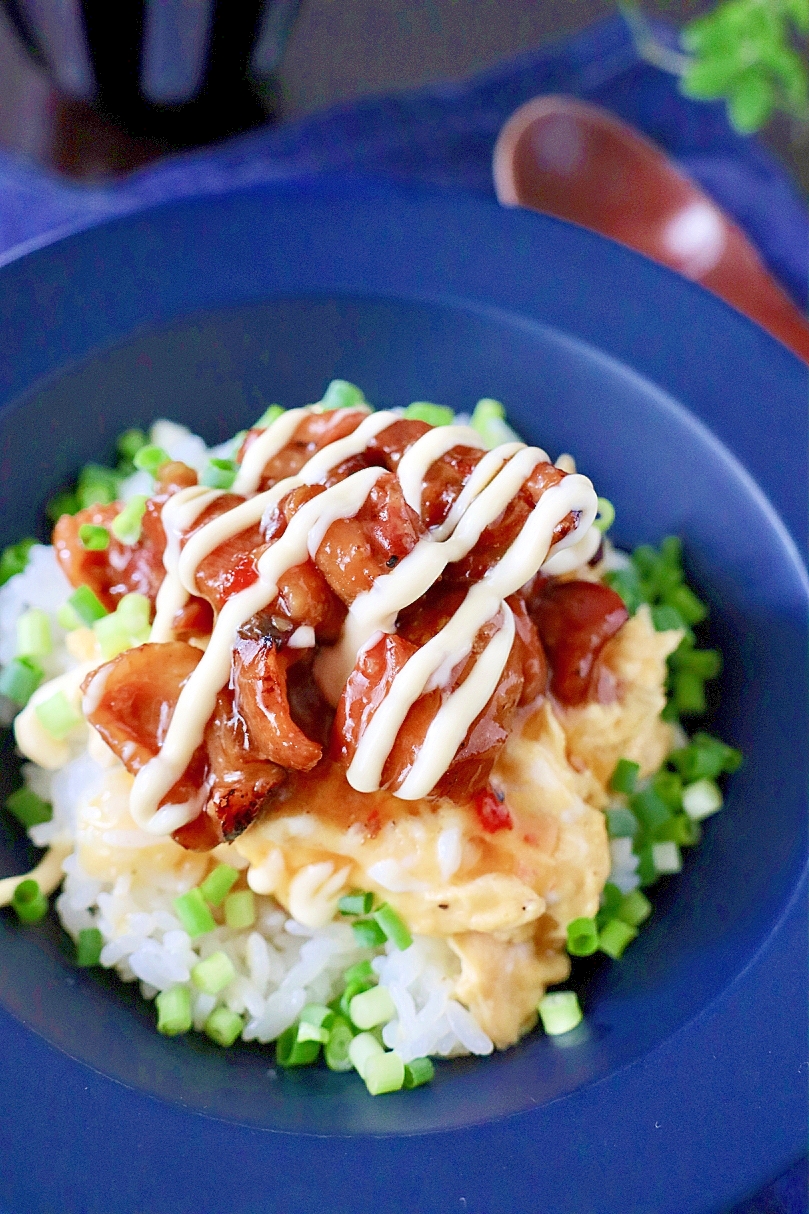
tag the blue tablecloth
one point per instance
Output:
(444, 135)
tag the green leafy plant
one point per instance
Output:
(751, 53)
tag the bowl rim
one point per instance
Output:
(46, 273)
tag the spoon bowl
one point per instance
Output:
(573, 160)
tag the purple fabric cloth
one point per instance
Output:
(444, 135)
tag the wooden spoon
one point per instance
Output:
(573, 160)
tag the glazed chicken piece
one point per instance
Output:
(130, 701)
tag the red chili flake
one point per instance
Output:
(373, 824)
(243, 574)
(493, 814)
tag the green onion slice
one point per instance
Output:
(87, 605)
(417, 1072)
(433, 415)
(14, 559)
(606, 514)
(335, 1051)
(559, 1012)
(218, 884)
(29, 901)
(174, 1011)
(127, 525)
(615, 936)
(372, 1007)
(193, 913)
(384, 1073)
(92, 538)
(368, 933)
(88, 947)
(289, 1051)
(151, 459)
(214, 973)
(582, 937)
(223, 1026)
(28, 808)
(20, 679)
(340, 394)
(358, 902)
(240, 909)
(393, 926)
(57, 716)
(219, 473)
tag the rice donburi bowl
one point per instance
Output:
(338, 725)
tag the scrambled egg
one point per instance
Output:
(501, 900)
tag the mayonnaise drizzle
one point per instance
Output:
(416, 462)
(494, 482)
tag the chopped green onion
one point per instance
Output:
(97, 485)
(130, 443)
(151, 459)
(666, 857)
(705, 756)
(669, 788)
(626, 584)
(113, 636)
(317, 1015)
(269, 415)
(689, 693)
(665, 618)
(701, 799)
(625, 776)
(315, 1023)
(707, 663)
(28, 808)
(433, 415)
(214, 973)
(289, 1051)
(218, 884)
(559, 1012)
(362, 1049)
(134, 610)
(647, 873)
(88, 947)
(355, 987)
(621, 823)
(611, 899)
(384, 1073)
(62, 503)
(368, 934)
(635, 908)
(34, 634)
(126, 526)
(20, 679)
(488, 418)
(192, 911)
(582, 937)
(358, 902)
(87, 605)
(606, 514)
(362, 971)
(57, 716)
(240, 909)
(417, 1072)
(372, 1007)
(219, 473)
(336, 1048)
(615, 936)
(29, 901)
(681, 830)
(223, 1026)
(394, 928)
(687, 605)
(312, 1032)
(14, 559)
(340, 394)
(92, 538)
(66, 618)
(650, 810)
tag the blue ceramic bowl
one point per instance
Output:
(684, 1092)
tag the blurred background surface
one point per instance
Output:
(336, 51)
